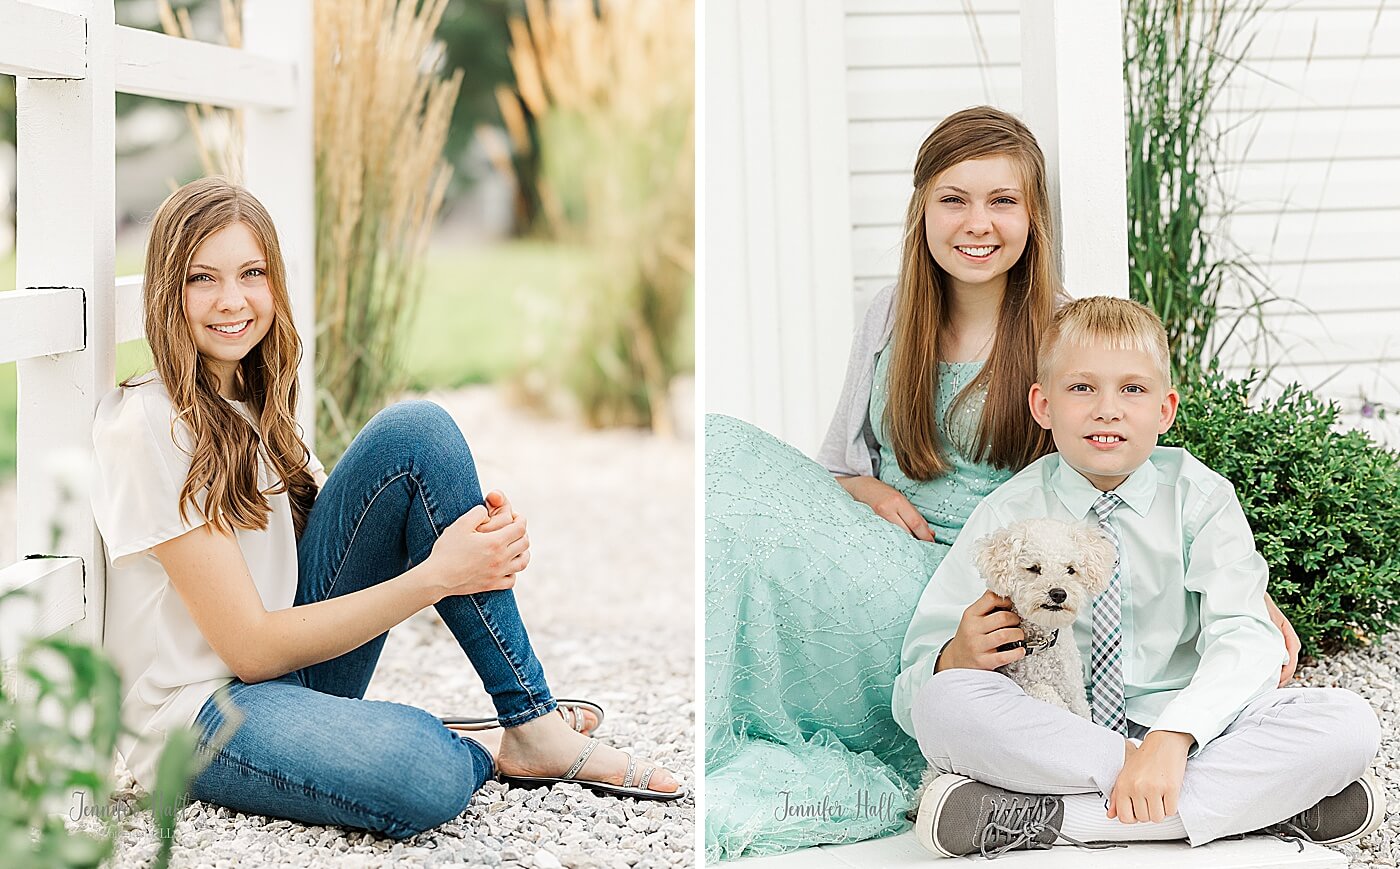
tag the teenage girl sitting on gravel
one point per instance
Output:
(246, 587)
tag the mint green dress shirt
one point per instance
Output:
(1198, 645)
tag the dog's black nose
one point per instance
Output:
(1057, 595)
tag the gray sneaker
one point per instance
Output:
(959, 816)
(1358, 809)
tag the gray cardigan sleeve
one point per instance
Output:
(850, 448)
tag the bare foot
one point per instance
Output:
(547, 746)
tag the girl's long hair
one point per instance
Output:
(225, 456)
(1007, 436)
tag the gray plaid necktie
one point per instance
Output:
(1106, 656)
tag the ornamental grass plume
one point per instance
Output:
(1178, 56)
(227, 158)
(605, 102)
(382, 116)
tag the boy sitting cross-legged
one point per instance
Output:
(1190, 738)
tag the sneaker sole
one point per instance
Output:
(1375, 811)
(929, 806)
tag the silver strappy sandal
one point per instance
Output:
(640, 791)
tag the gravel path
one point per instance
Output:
(1373, 673)
(609, 601)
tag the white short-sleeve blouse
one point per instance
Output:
(168, 669)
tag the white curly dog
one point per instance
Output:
(1051, 570)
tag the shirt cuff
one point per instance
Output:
(1201, 729)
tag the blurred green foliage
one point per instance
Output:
(60, 717)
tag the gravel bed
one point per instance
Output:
(1373, 673)
(609, 602)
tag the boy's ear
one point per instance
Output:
(1169, 405)
(1040, 406)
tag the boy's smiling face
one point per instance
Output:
(1105, 408)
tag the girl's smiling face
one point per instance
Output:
(977, 222)
(228, 302)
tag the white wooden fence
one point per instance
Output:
(70, 310)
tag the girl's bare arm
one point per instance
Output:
(208, 571)
(211, 577)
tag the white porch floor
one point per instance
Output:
(1256, 852)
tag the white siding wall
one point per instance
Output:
(1313, 158)
(1314, 161)
(777, 268)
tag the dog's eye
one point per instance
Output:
(1034, 568)
(1070, 571)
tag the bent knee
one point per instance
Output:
(420, 430)
(952, 701)
(425, 779)
(414, 416)
(422, 795)
(1355, 731)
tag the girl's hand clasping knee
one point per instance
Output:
(483, 550)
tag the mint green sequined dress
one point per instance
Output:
(807, 597)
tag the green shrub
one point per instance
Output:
(610, 89)
(1324, 504)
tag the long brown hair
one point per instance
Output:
(1006, 436)
(225, 456)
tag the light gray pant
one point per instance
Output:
(1286, 750)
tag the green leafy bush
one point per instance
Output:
(1324, 504)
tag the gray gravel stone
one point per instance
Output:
(609, 602)
(1374, 673)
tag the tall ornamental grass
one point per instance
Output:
(1178, 56)
(605, 92)
(382, 116)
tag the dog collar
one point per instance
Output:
(1040, 644)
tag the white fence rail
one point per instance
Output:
(61, 326)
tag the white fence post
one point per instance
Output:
(62, 324)
(1072, 93)
(777, 259)
(280, 168)
(65, 237)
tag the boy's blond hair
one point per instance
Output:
(1118, 324)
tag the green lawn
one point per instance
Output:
(480, 305)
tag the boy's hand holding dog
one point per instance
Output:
(1149, 784)
(987, 624)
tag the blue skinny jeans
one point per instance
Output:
(310, 748)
